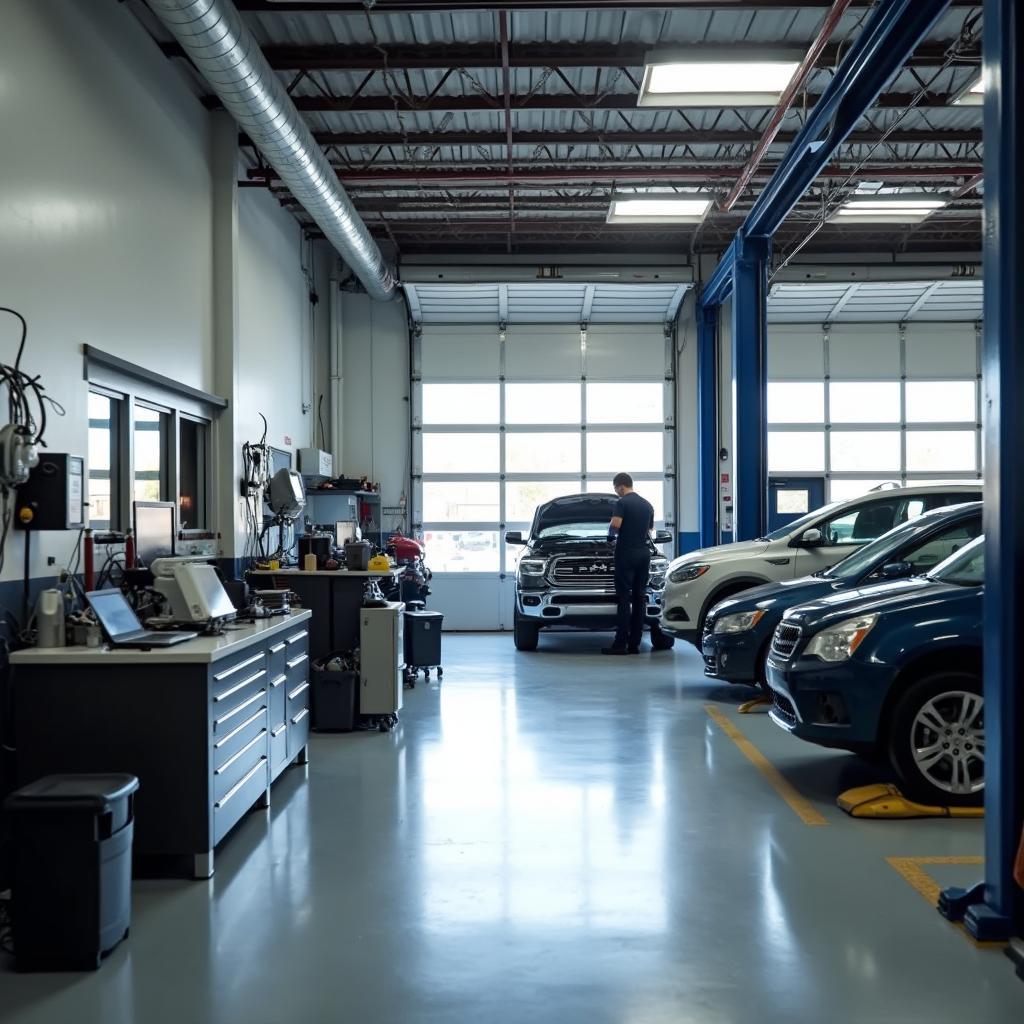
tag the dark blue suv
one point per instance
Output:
(893, 668)
(738, 631)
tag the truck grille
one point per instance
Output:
(583, 573)
(785, 640)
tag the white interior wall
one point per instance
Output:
(107, 236)
(375, 392)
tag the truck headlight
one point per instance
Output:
(532, 567)
(839, 642)
(740, 622)
(686, 573)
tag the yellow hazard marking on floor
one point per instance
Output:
(912, 870)
(799, 804)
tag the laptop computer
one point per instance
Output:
(122, 625)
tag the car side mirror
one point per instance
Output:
(662, 537)
(514, 537)
(896, 570)
(812, 538)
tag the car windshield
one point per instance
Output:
(880, 551)
(964, 569)
(797, 526)
(574, 531)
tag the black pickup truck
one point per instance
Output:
(566, 575)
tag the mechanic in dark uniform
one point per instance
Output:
(631, 526)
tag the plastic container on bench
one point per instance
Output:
(71, 896)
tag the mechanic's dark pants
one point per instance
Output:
(632, 570)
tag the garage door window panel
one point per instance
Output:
(543, 403)
(523, 496)
(461, 453)
(860, 451)
(941, 451)
(551, 452)
(796, 402)
(796, 451)
(625, 451)
(864, 402)
(463, 501)
(625, 403)
(463, 550)
(942, 401)
(457, 404)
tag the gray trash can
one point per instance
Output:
(71, 897)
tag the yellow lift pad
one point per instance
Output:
(884, 800)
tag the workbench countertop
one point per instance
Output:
(341, 573)
(201, 650)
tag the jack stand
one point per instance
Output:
(886, 801)
(748, 707)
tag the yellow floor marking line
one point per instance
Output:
(912, 871)
(800, 806)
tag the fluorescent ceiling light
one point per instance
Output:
(973, 95)
(707, 81)
(891, 208)
(659, 208)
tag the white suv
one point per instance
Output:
(699, 580)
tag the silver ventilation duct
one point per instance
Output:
(220, 45)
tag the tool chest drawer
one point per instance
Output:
(298, 731)
(246, 726)
(229, 807)
(240, 763)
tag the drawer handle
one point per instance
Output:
(298, 660)
(297, 691)
(280, 729)
(298, 636)
(234, 757)
(241, 707)
(239, 686)
(234, 732)
(300, 716)
(277, 648)
(238, 668)
(276, 682)
(238, 785)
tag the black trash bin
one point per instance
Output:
(422, 630)
(71, 897)
(335, 696)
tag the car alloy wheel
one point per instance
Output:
(948, 742)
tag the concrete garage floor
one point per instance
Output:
(551, 837)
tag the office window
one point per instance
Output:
(193, 458)
(104, 458)
(151, 471)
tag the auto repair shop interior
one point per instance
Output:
(326, 327)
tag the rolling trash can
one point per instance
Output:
(422, 643)
(71, 895)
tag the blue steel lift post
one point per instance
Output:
(890, 35)
(994, 909)
(707, 422)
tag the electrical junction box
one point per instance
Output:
(53, 497)
(316, 463)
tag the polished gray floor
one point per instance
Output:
(551, 837)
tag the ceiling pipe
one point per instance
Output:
(227, 55)
(796, 83)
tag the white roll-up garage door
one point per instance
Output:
(507, 417)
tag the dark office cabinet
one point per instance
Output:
(71, 899)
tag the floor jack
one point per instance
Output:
(883, 800)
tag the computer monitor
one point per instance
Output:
(345, 532)
(154, 530)
(279, 459)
